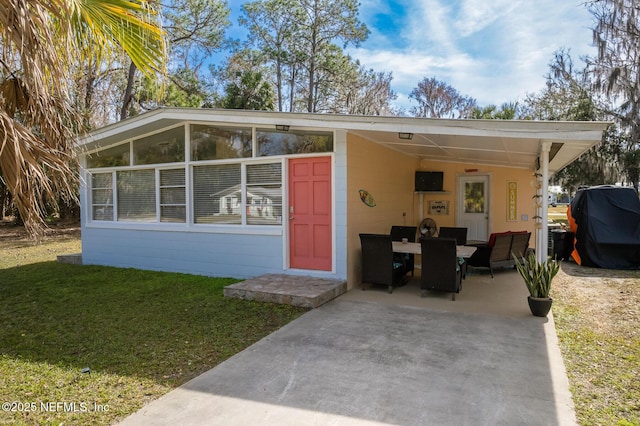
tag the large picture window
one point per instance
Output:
(111, 157)
(164, 147)
(136, 195)
(273, 142)
(218, 143)
(217, 196)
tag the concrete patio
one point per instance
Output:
(505, 294)
(370, 357)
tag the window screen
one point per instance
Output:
(264, 194)
(102, 196)
(216, 194)
(172, 196)
(137, 196)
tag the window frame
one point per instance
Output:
(188, 166)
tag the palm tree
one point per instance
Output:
(41, 40)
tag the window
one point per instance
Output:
(172, 196)
(164, 147)
(216, 194)
(217, 143)
(272, 142)
(102, 196)
(110, 157)
(264, 194)
(136, 195)
(227, 184)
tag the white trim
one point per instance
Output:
(542, 228)
(181, 227)
(498, 128)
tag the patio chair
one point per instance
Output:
(378, 265)
(441, 270)
(460, 234)
(498, 252)
(397, 234)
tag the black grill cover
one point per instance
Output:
(607, 227)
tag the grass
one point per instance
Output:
(144, 333)
(597, 317)
(140, 333)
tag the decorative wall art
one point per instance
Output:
(439, 207)
(512, 201)
(367, 198)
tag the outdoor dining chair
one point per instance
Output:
(397, 234)
(441, 270)
(378, 264)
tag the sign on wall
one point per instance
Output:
(512, 201)
(438, 207)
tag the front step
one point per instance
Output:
(296, 290)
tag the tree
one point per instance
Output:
(364, 92)
(326, 21)
(195, 29)
(567, 96)
(436, 99)
(507, 111)
(271, 31)
(249, 91)
(616, 71)
(41, 40)
(298, 38)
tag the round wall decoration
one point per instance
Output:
(367, 198)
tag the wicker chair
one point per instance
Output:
(440, 267)
(378, 265)
(397, 234)
(460, 234)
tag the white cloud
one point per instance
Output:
(493, 51)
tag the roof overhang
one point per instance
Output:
(506, 143)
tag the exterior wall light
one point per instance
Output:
(283, 127)
(407, 136)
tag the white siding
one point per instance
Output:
(222, 255)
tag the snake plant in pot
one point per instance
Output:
(538, 277)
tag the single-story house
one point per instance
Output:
(244, 193)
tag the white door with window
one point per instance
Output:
(473, 211)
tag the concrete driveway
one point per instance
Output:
(353, 362)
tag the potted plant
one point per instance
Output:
(538, 276)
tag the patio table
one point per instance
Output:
(416, 248)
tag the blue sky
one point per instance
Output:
(495, 51)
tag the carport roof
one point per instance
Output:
(508, 143)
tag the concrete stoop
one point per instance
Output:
(307, 292)
(73, 259)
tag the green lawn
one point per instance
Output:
(140, 333)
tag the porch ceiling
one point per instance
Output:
(461, 148)
(484, 142)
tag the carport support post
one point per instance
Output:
(542, 233)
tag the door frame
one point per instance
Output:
(287, 230)
(460, 198)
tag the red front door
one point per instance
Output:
(310, 213)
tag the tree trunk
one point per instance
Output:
(128, 93)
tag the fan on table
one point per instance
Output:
(428, 227)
